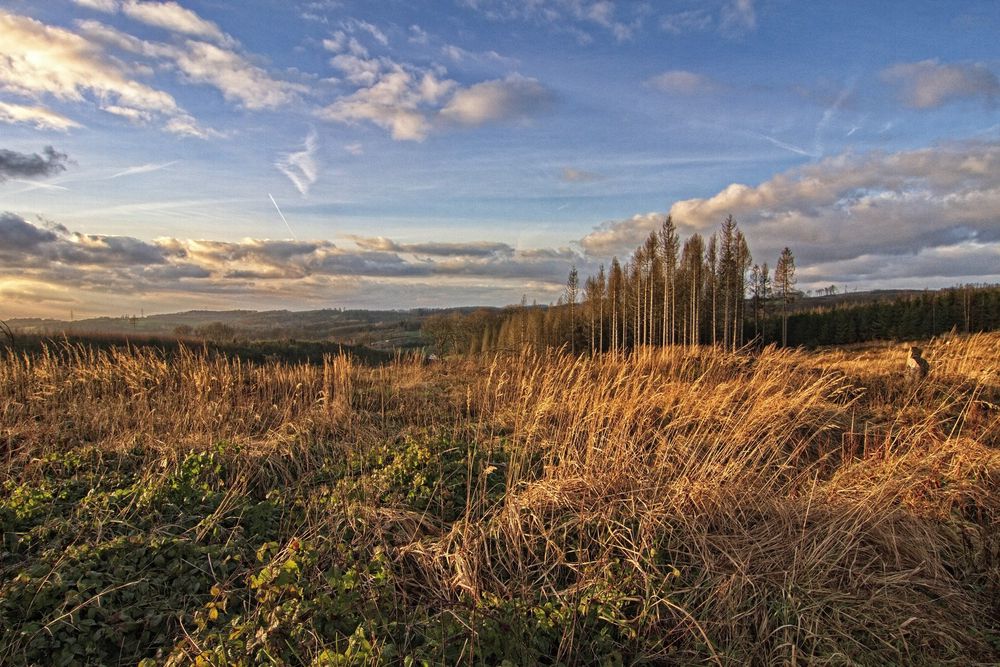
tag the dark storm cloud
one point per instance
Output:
(23, 165)
(17, 235)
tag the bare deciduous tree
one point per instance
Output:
(784, 283)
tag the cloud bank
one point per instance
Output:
(88, 267)
(932, 212)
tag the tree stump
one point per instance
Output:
(916, 365)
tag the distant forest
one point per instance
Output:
(966, 309)
(707, 291)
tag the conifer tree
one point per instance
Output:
(615, 290)
(726, 277)
(602, 299)
(743, 261)
(712, 284)
(668, 251)
(761, 287)
(572, 289)
(693, 267)
(784, 283)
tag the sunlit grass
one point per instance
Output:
(675, 506)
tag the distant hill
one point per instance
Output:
(852, 298)
(380, 329)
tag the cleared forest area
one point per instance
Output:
(670, 505)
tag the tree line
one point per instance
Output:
(667, 292)
(965, 308)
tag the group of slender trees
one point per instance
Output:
(668, 292)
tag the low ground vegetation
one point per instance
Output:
(670, 506)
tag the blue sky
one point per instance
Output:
(470, 151)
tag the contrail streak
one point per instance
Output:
(282, 217)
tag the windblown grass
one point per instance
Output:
(668, 507)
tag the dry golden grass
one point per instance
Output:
(772, 507)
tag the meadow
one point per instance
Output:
(668, 506)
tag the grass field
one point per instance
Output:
(670, 507)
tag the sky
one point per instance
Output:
(205, 154)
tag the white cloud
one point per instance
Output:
(358, 70)
(228, 71)
(317, 10)
(108, 6)
(40, 117)
(418, 35)
(134, 115)
(738, 16)
(571, 175)
(167, 15)
(454, 53)
(515, 97)
(396, 102)
(928, 83)
(682, 82)
(37, 59)
(733, 19)
(459, 55)
(337, 42)
(234, 76)
(111, 37)
(185, 125)
(340, 42)
(408, 100)
(620, 237)
(371, 29)
(562, 14)
(300, 166)
(693, 20)
(171, 16)
(344, 40)
(394, 96)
